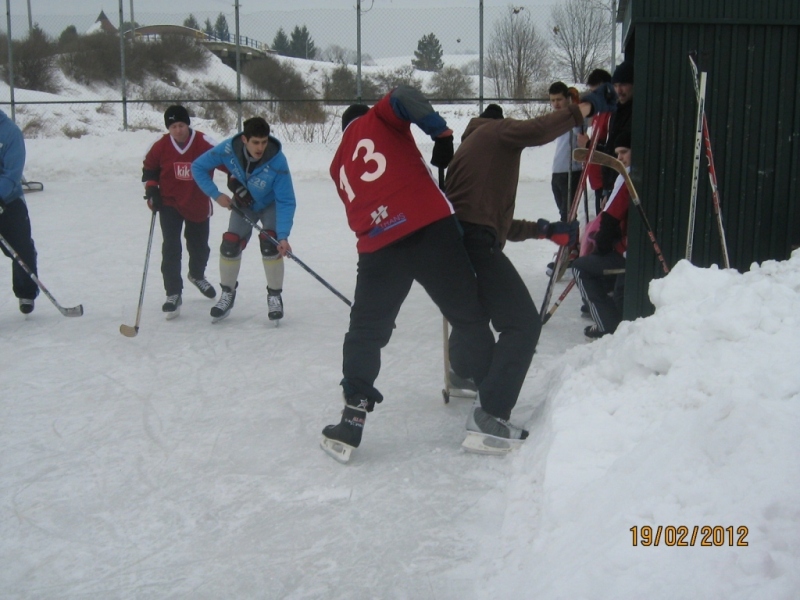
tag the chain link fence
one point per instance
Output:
(71, 75)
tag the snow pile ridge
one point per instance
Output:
(663, 424)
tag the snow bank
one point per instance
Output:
(686, 418)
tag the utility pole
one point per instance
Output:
(238, 71)
(30, 19)
(122, 68)
(10, 62)
(358, 50)
(132, 20)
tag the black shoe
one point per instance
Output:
(204, 286)
(274, 304)
(223, 307)
(593, 333)
(26, 306)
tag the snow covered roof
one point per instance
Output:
(102, 24)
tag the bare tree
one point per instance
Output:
(450, 84)
(581, 37)
(517, 56)
(339, 55)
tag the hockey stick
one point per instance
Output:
(712, 171)
(255, 225)
(127, 330)
(75, 311)
(611, 162)
(698, 142)
(563, 251)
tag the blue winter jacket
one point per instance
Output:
(12, 160)
(268, 182)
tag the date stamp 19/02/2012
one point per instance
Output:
(681, 535)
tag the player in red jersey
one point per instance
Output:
(171, 190)
(406, 232)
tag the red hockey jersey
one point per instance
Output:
(171, 166)
(384, 182)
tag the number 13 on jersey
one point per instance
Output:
(370, 156)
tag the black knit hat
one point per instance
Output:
(176, 114)
(623, 139)
(623, 73)
(353, 111)
(493, 111)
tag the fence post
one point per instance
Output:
(238, 70)
(122, 67)
(10, 63)
(480, 57)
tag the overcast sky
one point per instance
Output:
(73, 7)
(389, 27)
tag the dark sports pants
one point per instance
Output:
(196, 235)
(435, 257)
(596, 288)
(513, 314)
(564, 186)
(15, 227)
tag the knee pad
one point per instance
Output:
(268, 249)
(232, 245)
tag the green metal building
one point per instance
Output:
(751, 53)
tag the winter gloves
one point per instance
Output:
(563, 234)
(241, 195)
(152, 193)
(603, 99)
(442, 151)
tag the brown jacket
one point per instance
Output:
(483, 175)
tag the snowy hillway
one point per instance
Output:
(184, 463)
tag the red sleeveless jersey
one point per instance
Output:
(384, 182)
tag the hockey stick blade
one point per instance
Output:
(128, 331)
(75, 311)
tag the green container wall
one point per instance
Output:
(751, 52)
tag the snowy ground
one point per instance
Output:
(183, 463)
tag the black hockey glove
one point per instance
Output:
(603, 99)
(152, 193)
(563, 234)
(241, 195)
(442, 151)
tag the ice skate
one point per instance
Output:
(172, 307)
(204, 286)
(26, 306)
(275, 306)
(223, 307)
(340, 440)
(491, 435)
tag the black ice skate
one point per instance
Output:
(26, 306)
(172, 307)
(274, 305)
(340, 440)
(223, 307)
(204, 286)
(487, 434)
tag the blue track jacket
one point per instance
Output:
(12, 160)
(269, 182)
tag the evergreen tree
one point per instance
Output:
(208, 28)
(221, 28)
(301, 45)
(68, 36)
(428, 55)
(191, 22)
(281, 43)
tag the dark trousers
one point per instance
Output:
(15, 227)
(602, 293)
(196, 235)
(513, 315)
(564, 186)
(434, 257)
